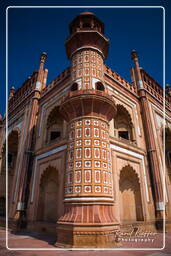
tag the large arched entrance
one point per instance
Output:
(48, 196)
(13, 141)
(130, 196)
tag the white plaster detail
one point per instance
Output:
(20, 206)
(79, 82)
(160, 206)
(38, 85)
(94, 81)
(140, 83)
(88, 199)
(115, 92)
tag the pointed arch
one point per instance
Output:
(123, 124)
(48, 196)
(131, 209)
(54, 126)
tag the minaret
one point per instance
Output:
(25, 154)
(88, 220)
(150, 142)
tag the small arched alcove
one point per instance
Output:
(74, 87)
(99, 86)
(54, 125)
(130, 196)
(123, 124)
(48, 196)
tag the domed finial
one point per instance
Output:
(134, 54)
(12, 92)
(43, 58)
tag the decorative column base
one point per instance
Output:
(87, 226)
(71, 236)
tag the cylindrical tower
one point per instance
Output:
(88, 220)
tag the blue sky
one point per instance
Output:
(32, 31)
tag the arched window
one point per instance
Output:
(54, 126)
(123, 124)
(100, 86)
(74, 87)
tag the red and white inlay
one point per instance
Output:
(70, 190)
(96, 122)
(106, 190)
(96, 132)
(96, 152)
(97, 189)
(97, 164)
(79, 142)
(87, 176)
(103, 144)
(79, 133)
(87, 142)
(78, 152)
(87, 122)
(77, 189)
(87, 163)
(87, 189)
(96, 142)
(97, 176)
(104, 154)
(105, 165)
(87, 132)
(77, 176)
(87, 152)
(78, 164)
(79, 123)
(105, 177)
(71, 165)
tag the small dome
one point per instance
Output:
(87, 13)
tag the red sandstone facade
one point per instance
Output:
(85, 152)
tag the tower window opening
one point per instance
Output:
(10, 159)
(74, 87)
(123, 134)
(86, 25)
(100, 86)
(54, 135)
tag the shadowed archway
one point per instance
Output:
(130, 196)
(48, 196)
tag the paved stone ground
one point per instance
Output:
(33, 240)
